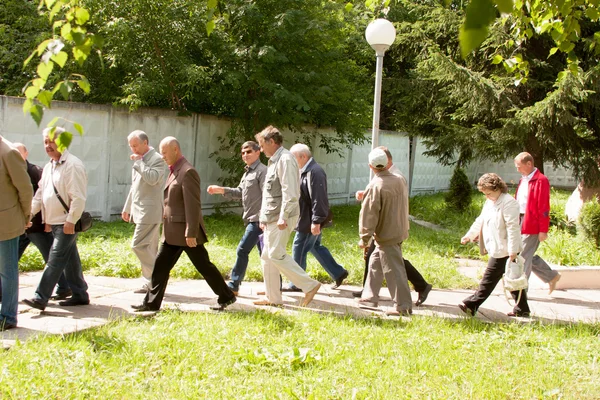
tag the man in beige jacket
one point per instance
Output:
(384, 218)
(15, 212)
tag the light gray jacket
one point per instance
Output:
(281, 192)
(145, 200)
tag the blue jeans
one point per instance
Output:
(9, 270)
(43, 241)
(307, 242)
(63, 257)
(249, 240)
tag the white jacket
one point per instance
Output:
(499, 223)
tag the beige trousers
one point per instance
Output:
(275, 260)
(145, 246)
(387, 261)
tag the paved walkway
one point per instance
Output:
(111, 299)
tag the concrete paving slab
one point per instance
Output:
(111, 298)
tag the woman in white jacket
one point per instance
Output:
(499, 233)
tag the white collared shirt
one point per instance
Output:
(69, 176)
(523, 192)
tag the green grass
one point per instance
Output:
(260, 355)
(105, 249)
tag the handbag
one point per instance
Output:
(515, 278)
(85, 221)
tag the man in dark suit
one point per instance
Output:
(183, 230)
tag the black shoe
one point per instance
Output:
(73, 302)
(291, 289)
(223, 306)
(519, 314)
(466, 310)
(338, 281)
(62, 295)
(4, 326)
(35, 303)
(142, 308)
(423, 295)
(357, 294)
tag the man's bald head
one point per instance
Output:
(22, 149)
(170, 150)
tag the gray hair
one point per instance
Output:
(57, 132)
(301, 148)
(141, 135)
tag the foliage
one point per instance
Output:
(71, 43)
(466, 109)
(589, 221)
(458, 196)
(249, 355)
(563, 21)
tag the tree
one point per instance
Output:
(471, 108)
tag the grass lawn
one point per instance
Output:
(260, 355)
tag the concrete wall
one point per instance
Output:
(105, 152)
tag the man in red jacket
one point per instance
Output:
(533, 195)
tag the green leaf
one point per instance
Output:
(45, 97)
(349, 7)
(211, 4)
(27, 105)
(82, 15)
(98, 41)
(497, 59)
(49, 3)
(42, 46)
(552, 51)
(84, 84)
(504, 6)
(79, 128)
(53, 122)
(28, 59)
(592, 13)
(65, 31)
(60, 58)
(210, 26)
(44, 69)
(573, 67)
(37, 113)
(470, 39)
(480, 14)
(31, 92)
(63, 141)
(65, 89)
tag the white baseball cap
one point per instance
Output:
(378, 159)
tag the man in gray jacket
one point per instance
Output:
(384, 218)
(278, 217)
(144, 204)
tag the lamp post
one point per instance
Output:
(380, 34)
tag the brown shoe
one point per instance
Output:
(553, 282)
(310, 295)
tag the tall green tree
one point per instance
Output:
(471, 108)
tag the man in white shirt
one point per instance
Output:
(63, 176)
(144, 204)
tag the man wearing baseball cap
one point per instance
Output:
(384, 218)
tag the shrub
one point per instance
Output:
(589, 221)
(459, 196)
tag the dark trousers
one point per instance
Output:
(412, 274)
(43, 241)
(492, 275)
(165, 261)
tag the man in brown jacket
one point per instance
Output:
(15, 212)
(384, 218)
(183, 230)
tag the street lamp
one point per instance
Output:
(380, 34)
